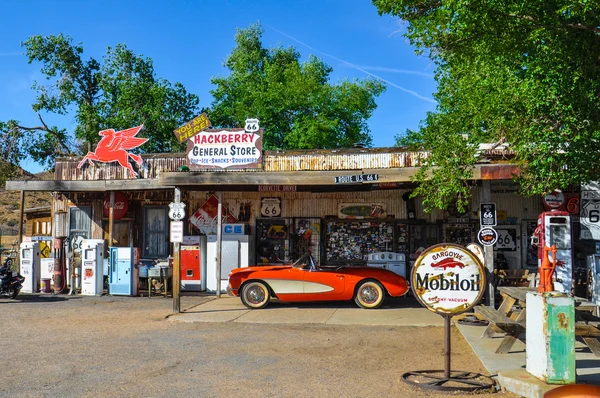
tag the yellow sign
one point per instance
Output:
(44, 250)
(192, 127)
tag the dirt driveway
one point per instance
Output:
(75, 346)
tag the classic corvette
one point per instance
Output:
(305, 281)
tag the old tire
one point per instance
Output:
(369, 294)
(255, 295)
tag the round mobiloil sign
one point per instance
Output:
(448, 279)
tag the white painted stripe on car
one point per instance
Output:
(283, 286)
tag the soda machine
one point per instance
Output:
(235, 253)
(123, 271)
(30, 266)
(191, 263)
(92, 264)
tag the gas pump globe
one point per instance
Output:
(554, 229)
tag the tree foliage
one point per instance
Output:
(121, 92)
(294, 101)
(523, 73)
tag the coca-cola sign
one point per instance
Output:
(448, 279)
(120, 207)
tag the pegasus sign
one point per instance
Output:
(113, 148)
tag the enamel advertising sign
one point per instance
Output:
(113, 148)
(448, 279)
(225, 148)
(205, 218)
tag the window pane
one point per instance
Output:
(156, 242)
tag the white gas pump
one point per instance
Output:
(30, 266)
(92, 267)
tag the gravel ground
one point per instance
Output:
(75, 346)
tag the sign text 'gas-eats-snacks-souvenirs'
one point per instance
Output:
(222, 148)
(448, 279)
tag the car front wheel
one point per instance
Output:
(255, 295)
(370, 294)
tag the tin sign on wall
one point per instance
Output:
(448, 279)
(487, 236)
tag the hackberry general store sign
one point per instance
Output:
(226, 148)
(448, 279)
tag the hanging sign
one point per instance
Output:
(356, 178)
(113, 148)
(487, 236)
(192, 127)
(448, 279)
(270, 207)
(120, 208)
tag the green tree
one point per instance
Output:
(522, 73)
(121, 92)
(294, 101)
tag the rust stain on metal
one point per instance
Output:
(563, 320)
(499, 172)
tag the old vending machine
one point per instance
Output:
(554, 228)
(235, 253)
(123, 271)
(191, 259)
(92, 264)
(30, 266)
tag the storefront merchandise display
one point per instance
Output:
(272, 236)
(459, 233)
(354, 240)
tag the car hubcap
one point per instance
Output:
(369, 294)
(256, 295)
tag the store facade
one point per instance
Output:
(340, 205)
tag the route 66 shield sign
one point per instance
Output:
(176, 211)
(270, 207)
(252, 125)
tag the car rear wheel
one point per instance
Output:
(255, 295)
(370, 294)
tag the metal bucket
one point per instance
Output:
(45, 285)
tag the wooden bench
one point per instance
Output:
(498, 322)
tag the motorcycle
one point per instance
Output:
(11, 282)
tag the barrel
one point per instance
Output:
(45, 285)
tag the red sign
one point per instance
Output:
(205, 218)
(113, 148)
(557, 200)
(120, 208)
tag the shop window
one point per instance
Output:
(48, 228)
(43, 227)
(306, 238)
(156, 232)
(80, 225)
(352, 241)
(272, 241)
(36, 228)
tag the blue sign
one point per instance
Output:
(235, 229)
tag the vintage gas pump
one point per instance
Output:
(554, 229)
(30, 266)
(92, 267)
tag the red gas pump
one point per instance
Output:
(555, 251)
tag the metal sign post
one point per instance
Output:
(448, 279)
(176, 267)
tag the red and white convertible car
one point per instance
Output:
(305, 281)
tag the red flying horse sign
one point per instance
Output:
(113, 148)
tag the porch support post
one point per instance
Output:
(176, 267)
(219, 240)
(488, 251)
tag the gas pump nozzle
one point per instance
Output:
(547, 269)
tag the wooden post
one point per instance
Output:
(488, 251)
(111, 218)
(21, 213)
(219, 240)
(176, 267)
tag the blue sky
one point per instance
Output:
(189, 40)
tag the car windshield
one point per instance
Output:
(305, 262)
